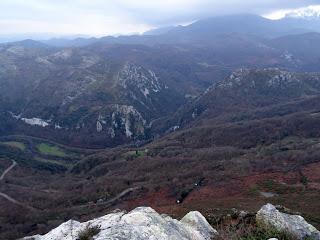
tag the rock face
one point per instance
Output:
(141, 223)
(269, 216)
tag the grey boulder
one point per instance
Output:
(142, 223)
(295, 225)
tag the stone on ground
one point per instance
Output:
(295, 225)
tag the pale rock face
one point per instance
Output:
(32, 121)
(135, 76)
(282, 78)
(126, 114)
(99, 126)
(234, 79)
(43, 61)
(194, 114)
(57, 126)
(140, 224)
(269, 216)
(278, 79)
(111, 132)
(89, 61)
(35, 122)
(194, 220)
(63, 54)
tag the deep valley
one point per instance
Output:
(194, 118)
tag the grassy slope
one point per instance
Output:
(51, 150)
(18, 145)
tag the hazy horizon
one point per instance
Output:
(98, 18)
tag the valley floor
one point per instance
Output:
(93, 183)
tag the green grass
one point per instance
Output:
(249, 229)
(274, 186)
(262, 233)
(18, 145)
(140, 153)
(269, 184)
(51, 150)
(44, 160)
(135, 154)
(254, 190)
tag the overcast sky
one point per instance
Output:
(109, 17)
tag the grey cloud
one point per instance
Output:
(193, 10)
(124, 16)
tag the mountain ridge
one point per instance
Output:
(242, 23)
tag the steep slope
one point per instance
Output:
(255, 139)
(249, 90)
(302, 50)
(246, 100)
(118, 93)
(85, 91)
(111, 92)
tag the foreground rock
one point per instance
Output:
(139, 224)
(295, 225)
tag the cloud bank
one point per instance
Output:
(110, 17)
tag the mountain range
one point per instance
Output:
(115, 89)
(223, 112)
(203, 30)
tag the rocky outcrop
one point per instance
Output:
(269, 216)
(121, 120)
(143, 80)
(139, 224)
(195, 221)
(144, 223)
(248, 90)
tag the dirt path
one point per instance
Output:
(7, 197)
(112, 200)
(120, 195)
(10, 199)
(8, 170)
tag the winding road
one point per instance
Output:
(7, 197)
